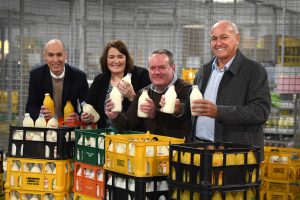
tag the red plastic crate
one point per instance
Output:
(89, 180)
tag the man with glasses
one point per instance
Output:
(161, 70)
(236, 93)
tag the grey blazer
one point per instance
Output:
(243, 101)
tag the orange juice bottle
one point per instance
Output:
(49, 103)
(68, 109)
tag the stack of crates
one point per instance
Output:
(280, 174)
(218, 171)
(137, 166)
(1, 175)
(89, 176)
(39, 163)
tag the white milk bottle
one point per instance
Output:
(52, 123)
(87, 108)
(142, 99)
(40, 122)
(195, 94)
(127, 78)
(116, 98)
(28, 121)
(170, 99)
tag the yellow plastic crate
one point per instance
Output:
(280, 185)
(78, 196)
(278, 155)
(281, 163)
(11, 194)
(278, 195)
(140, 155)
(53, 176)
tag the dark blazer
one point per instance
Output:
(75, 88)
(163, 123)
(243, 101)
(97, 92)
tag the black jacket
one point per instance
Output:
(75, 88)
(97, 93)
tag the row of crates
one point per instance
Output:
(39, 163)
(211, 168)
(280, 174)
(94, 182)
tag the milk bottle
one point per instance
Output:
(28, 121)
(68, 109)
(52, 123)
(170, 99)
(40, 122)
(142, 99)
(127, 78)
(49, 103)
(195, 94)
(116, 98)
(87, 108)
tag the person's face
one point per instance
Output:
(116, 61)
(224, 41)
(55, 56)
(161, 73)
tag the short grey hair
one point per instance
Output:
(166, 52)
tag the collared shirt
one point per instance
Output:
(58, 77)
(152, 87)
(205, 127)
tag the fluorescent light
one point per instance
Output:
(194, 26)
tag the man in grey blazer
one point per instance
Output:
(236, 93)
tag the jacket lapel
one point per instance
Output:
(67, 85)
(48, 87)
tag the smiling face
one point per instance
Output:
(161, 73)
(55, 56)
(116, 61)
(224, 41)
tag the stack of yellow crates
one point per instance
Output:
(39, 164)
(1, 175)
(280, 174)
(137, 166)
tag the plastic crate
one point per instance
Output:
(89, 180)
(125, 187)
(42, 143)
(90, 145)
(1, 173)
(282, 164)
(278, 195)
(78, 196)
(284, 156)
(54, 175)
(179, 191)
(140, 155)
(280, 185)
(214, 165)
(11, 194)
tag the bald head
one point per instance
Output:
(55, 56)
(224, 41)
(226, 23)
(56, 42)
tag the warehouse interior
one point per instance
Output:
(270, 34)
